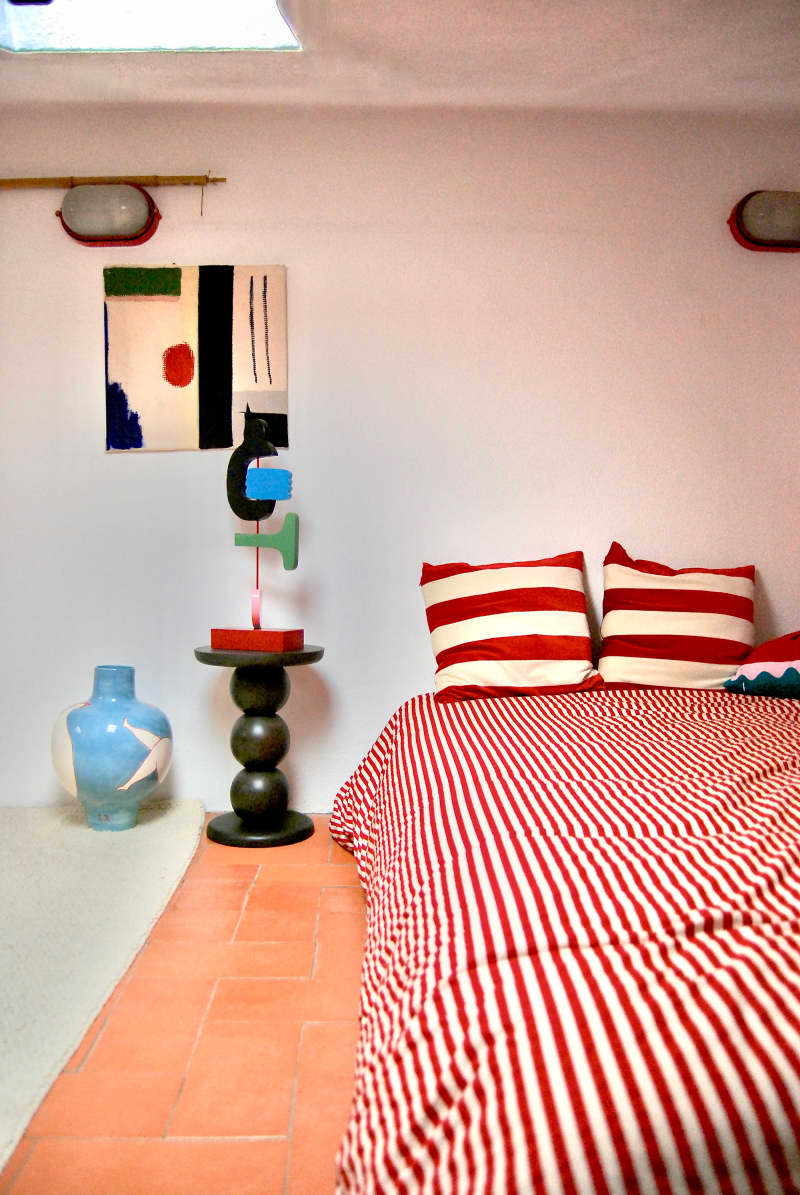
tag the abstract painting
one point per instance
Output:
(188, 350)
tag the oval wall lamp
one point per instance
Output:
(109, 214)
(110, 211)
(767, 221)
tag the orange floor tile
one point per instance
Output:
(223, 1062)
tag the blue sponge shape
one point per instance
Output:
(268, 483)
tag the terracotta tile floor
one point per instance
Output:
(223, 1062)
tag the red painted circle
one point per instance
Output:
(178, 364)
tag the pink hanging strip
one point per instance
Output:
(255, 599)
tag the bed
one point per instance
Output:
(582, 966)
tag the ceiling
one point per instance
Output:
(705, 55)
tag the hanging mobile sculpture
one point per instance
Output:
(252, 494)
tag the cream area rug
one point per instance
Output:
(76, 905)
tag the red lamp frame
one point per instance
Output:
(144, 233)
(747, 242)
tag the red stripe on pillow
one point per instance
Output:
(522, 647)
(505, 602)
(696, 600)
(677, 647)
(437, 572)
(472, 692)
(617, 555)
(787, 647)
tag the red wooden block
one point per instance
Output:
(239, 639)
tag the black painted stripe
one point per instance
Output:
(215, 355)
(253, 333)
(266, 327)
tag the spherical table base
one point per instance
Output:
(259, 740)
(230, 830)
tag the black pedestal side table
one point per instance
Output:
(259, 739)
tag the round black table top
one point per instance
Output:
(308, 654)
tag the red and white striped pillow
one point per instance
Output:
(500, 629)
(677, 628)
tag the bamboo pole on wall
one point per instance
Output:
(142, 180)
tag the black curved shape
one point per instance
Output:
(256, 443)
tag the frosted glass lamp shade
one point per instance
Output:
(768, 220)
(109, 214)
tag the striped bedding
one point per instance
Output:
(582, 970)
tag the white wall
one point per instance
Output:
(509, 335)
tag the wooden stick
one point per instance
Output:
(143, 180)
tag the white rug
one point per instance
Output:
(76, 905)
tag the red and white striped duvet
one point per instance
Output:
(582, 970)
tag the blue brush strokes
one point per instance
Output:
(268, 483)
(123, 429)
(766, 684)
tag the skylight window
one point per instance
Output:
(96, 25)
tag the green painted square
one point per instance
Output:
(142, 280)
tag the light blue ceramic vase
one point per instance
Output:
(112, 750)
